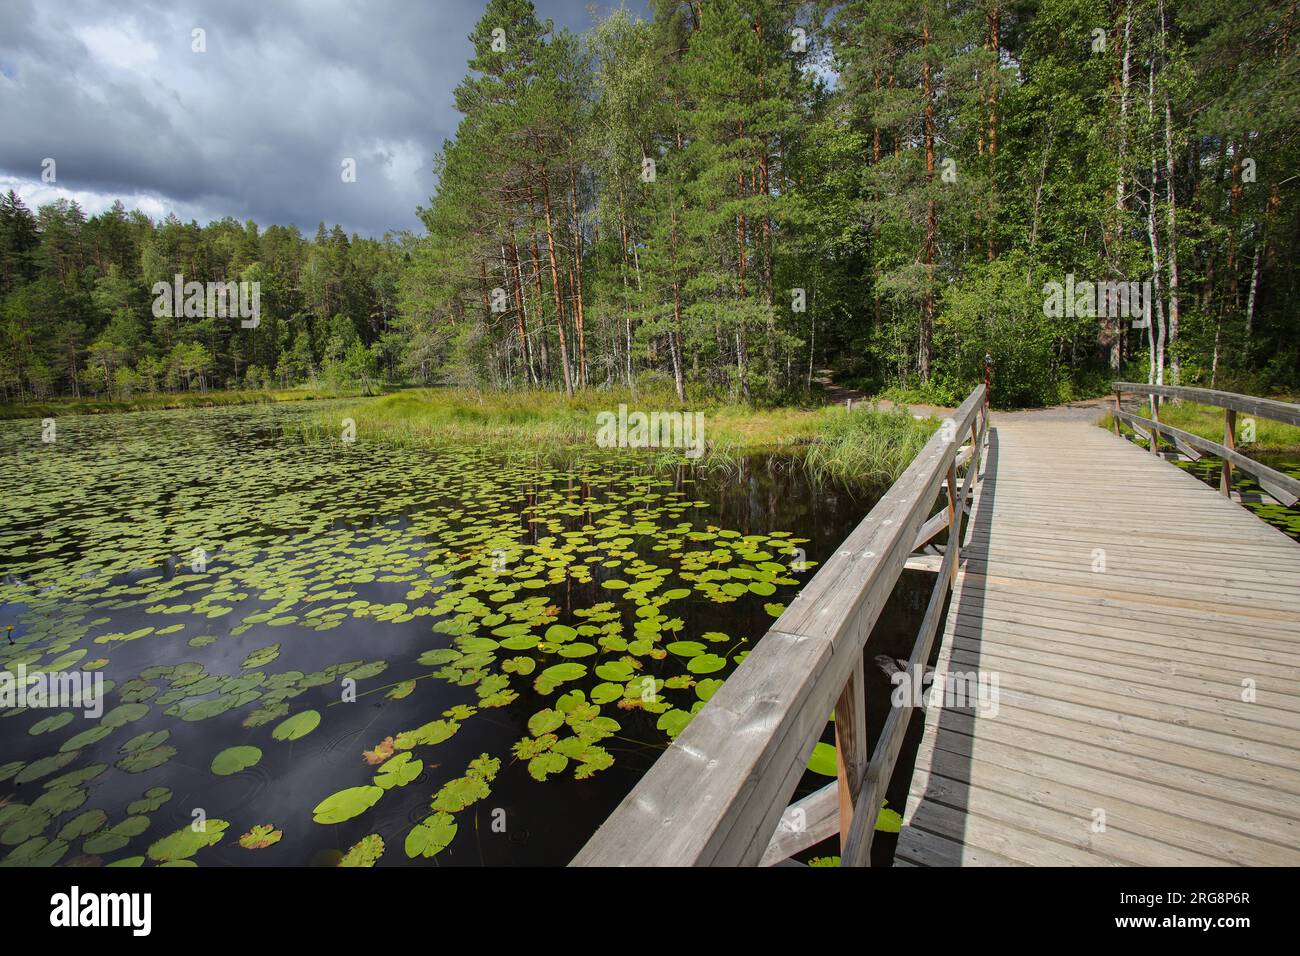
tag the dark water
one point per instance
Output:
(98, 538)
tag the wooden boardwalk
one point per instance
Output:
(1147, 708)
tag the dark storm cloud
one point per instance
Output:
(258, 125)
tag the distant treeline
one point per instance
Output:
(732, 195)
(77, 312)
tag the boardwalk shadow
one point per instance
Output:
(942, 809)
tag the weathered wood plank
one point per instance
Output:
(804, 823)
(1281, 486)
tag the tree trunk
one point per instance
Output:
(1172, 215)
(541, 295)
(1156, 329)
(742, 332)
(1117, 331)
(555, 284)
(995, 44)
(577, 264)
(512, 257)
(927, 312)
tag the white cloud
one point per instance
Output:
(117, 47)
(35, 194)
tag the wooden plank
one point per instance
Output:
(804, 823)
(1135, 671)
(920, 847)
(850, 743)
(1281, 486)
(930, 563)
(1123, 753)
(1264, 838)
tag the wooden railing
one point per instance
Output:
(718, 795)
(1282, 487)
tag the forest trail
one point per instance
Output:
(1088, 410)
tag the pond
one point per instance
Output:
(316, 654)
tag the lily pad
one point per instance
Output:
(187, 841)
(346, 804)
(234, 759)
(365, 852)
(432, 836)
(299, 725)
(260, 837)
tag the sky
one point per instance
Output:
(255, 127)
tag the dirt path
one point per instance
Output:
(1085, 410)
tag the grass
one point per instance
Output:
(150, 401)
(1207, 421)
(865, 445)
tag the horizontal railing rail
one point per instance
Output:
(1281, 486)
(719, 794)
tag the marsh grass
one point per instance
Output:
(866, 445)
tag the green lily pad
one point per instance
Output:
(299, 725)
(823, 760)
(234, 759)
(366, 852)
(346, 804)
(187, 841)
(432, 836)
(398, 771)
(260, 837)
(706, 664)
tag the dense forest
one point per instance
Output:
(732, 195)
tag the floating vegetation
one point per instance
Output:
(187, 841)
(234, 759)
(260, 837)
(358, 623)
(366, 852)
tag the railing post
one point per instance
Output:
(954, 519)
(988, 380)
(1229, 442)
(851, 754)
(1155, 428)
(1118, 408)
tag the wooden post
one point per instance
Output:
(851, 753)
(988, 380)
(1118, 408)
(1230, 442)
(1155, 430)
(954, 520)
